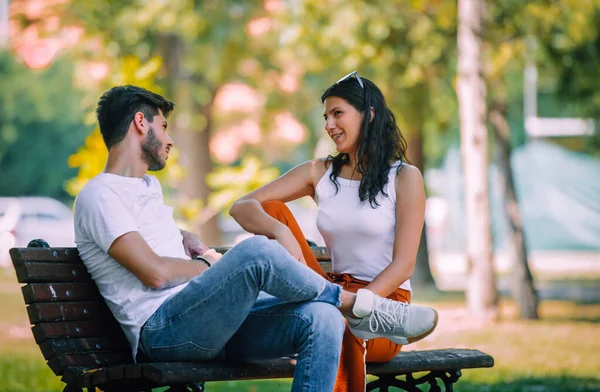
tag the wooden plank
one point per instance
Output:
(67, 311)
(406, 362)
(76, 329)
(50, 272)
(58, 255)
(61, 292)
(326, 265)
(321, 253)
(116, 373)
(124, 372)
(77, 377)
(425, 360)
(51, 347)
(99, 377)
(165, 373)
(59, 363)
(134, 371)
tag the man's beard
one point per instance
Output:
(151, 152)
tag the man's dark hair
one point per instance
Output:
(117, 107)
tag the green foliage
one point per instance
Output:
(231, 183)
(568, 36)
(40, 126)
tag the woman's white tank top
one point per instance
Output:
(360, 238)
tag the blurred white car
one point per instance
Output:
(23, 219)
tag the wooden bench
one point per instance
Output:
(84, 344)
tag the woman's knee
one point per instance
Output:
(381, 350)
(272, 207)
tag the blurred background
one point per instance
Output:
(246, 77)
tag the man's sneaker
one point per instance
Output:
(399, 322)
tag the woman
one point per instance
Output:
(371, 210)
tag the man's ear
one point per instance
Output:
(138, 123)
(372, 111)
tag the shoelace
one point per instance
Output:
(387, 314)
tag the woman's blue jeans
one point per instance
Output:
(257, 302)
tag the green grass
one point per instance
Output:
(558, 353)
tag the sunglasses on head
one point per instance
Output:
(351, 74)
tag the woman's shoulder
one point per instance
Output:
(313, 169)
(319, 167)
(407, 175)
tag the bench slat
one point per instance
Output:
(57, 255)
(406, 362)
(426, 360)
(67, 311)
(51, 272)
(51, 347)
(78, 377)
(83, 377)
(76, 329)
(165, 373)
(59, 363)
(128, 377)
(60, 292)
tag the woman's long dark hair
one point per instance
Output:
(380, 141)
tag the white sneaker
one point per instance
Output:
(399, 322)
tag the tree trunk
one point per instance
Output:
(522, 286)
(193, 143)
(482, 296)
(422, 277)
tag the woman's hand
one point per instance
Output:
(285, 237)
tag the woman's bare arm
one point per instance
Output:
(410, 216)
(296, 183)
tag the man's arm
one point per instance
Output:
(154, 271)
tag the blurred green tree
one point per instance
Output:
(40, 126)
(505, 43)
(567, 42)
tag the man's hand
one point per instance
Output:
(285, 237)
(192, 244)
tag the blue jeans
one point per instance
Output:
(219, 315)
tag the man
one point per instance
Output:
(256, 302)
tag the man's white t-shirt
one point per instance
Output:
(105, 209)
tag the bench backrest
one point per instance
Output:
(70, 320)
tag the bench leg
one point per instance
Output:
(448, 378)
